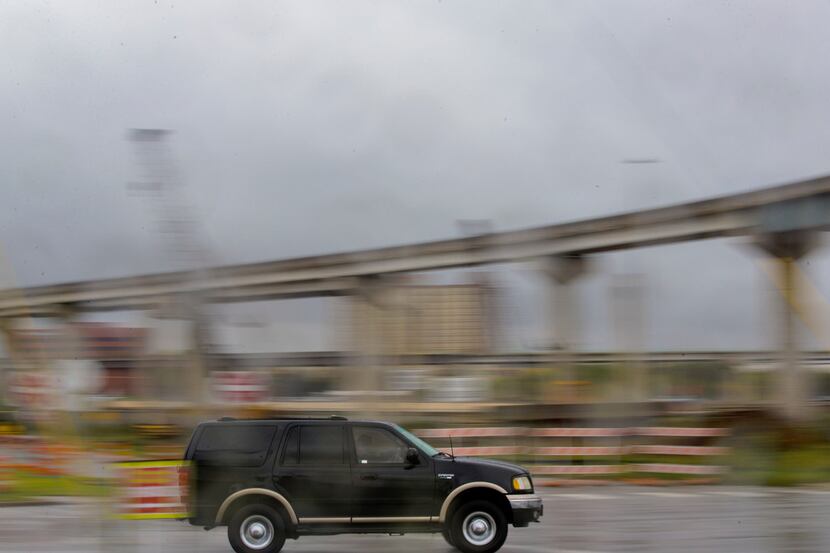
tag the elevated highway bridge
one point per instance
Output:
(784, 209)
(782, 221)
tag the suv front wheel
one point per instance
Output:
(256, 529)
(478, 527)
(447, 536)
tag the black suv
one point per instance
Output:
(269, 480)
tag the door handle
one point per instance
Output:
(369, 476)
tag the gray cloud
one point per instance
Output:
(310, 127)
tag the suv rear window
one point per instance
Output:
(238, 444)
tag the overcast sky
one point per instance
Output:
(310, 127)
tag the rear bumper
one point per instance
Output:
(526, 508)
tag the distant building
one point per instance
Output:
(116, 349)
(424, 319)
(92, 340)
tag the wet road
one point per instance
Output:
(585, 520)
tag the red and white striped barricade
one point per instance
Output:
(674, 468)
(153, 489)
(31, 389)
(240, 386)
(526, 442)
(6, 474)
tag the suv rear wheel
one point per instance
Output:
(478, 527)
(256, 529)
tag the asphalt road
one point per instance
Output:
(588, 520)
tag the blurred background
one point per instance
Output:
(586, 237)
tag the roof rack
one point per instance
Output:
(329, 418)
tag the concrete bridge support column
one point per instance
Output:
(10, 349)
(181, 331)
(72, 346)
(72, 372)
(792, 380)
(367, 335)
(79, 373)
(564, 312)
(564, 323)
(22, 358)
(628, 315)
(199, 354)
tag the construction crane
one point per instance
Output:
(162, 184)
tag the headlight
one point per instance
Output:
(522, 484)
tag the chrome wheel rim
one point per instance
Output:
(256, 532)
(479, 528)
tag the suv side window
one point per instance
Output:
(237, 444)
(378, 446)
(314, 445)
(241, 438)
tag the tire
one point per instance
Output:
(256, 528)
(447, 536)
(478, 527)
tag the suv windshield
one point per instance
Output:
(419, 443)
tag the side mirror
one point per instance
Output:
(412, 457)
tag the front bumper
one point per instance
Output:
(526, 508)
